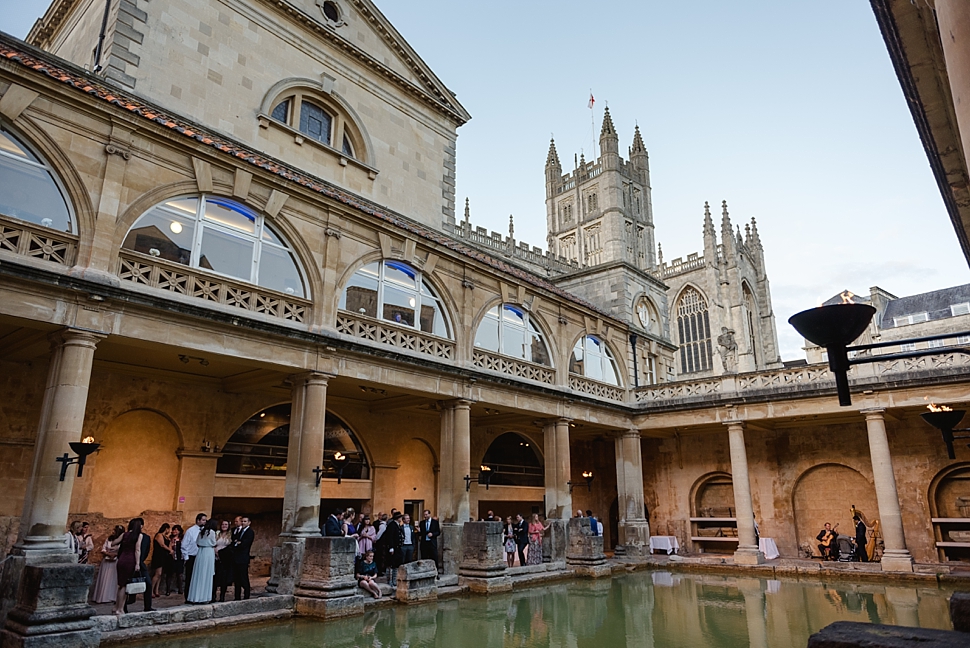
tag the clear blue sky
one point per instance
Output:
(788, 110)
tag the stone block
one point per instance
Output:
(52, 608)
(554, 542)
(144, 619)
(960, 611)
(635, 538)
(328, 568)
(286, 567)
(482, 551)
(330, 608)
(417, 582)
(584, 550)
(450, 543)
(849, 634)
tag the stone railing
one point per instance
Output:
(513, 367)
(181, 280)
(35, 242)
(408, 339)
(679, 266)
(506, 246)
(595, 388)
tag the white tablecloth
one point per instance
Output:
(768, 548)
(664, 543)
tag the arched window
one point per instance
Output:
(694, 332)
(259, 446)
(321, 119)
(593, 359)
(219, 235)
(396, 292)
(28, 189)
(508, 329)
(514, 462)
(751, 312)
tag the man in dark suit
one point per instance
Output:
(521, 532)
(860, 539)
(242, 548)
(429, 530)
(393, 540)
(332, 526)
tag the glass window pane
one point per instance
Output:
(432, 320)
(513, 316)
(399, 273)
(278, 271)
(28, 192)
(164, 233)
(270, 236)
(228, 213)
(348, 149)
(540, 354)
(227, 254)
(513, 341)
(282, 111)
(578, 359)
(487, 335)
(10, 145)
(315, 122)
(361, 294)
(399, 306)
(594, 367)
(612, 374)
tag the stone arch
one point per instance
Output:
(512, 463)
(137, 467)
(652, 303)
(946, 489)
(752, 323)
(623, 375)
(825, 493)
(536, 318)
(710, 493)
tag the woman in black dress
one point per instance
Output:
(129, 561)
(161, 556)
(175, 572)
(224, 562)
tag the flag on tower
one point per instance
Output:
(592, 100)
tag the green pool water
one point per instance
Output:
(643, 609)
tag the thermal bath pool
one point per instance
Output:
(644, 609)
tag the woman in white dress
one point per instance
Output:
(106, 587)
(200, 588)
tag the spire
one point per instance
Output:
(755, 238)
(609, 142)
(468, 214)
(638, 146)
(740, 238)
(710, 236)
(511, 228)
(727, 232)
(607, 129)
(552, 160)
(660, 254)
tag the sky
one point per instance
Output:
(788, 110)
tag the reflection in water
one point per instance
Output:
(654, 610)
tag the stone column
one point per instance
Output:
(301, 502)
(896, 557)
(559, 501)
(954, 25)
(455, 464)
(754, 612)
(748, 552)
(633, 529)
(48, 500)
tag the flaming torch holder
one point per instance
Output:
(946, 422)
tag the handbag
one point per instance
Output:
(136, 586)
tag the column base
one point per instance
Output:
(52, 608)
(897, 561)
(287, 565)
(634, 538)
(493, 585)
(329, 608)
(748, 556)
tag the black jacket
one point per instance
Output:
(521, 533)
(429, 526)
(243, 546)
(332, 527)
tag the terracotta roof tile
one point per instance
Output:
(18, 52)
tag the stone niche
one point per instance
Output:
(417, 582)
(327, 587)
(483, 568)
(584, 551)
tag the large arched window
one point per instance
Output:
(259, 446)
(396, 292)
(508, 329)
(593, 359)
(219, 235)
(319, 118)
(513, 461)
(28, 189)
(751, 319)
(694, 332)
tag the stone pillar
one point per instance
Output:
(748, 552)
(455, 463)
(48, 499)
(327, 587)
(417, 582)
(483, 568)
(559, 501)
(954, 25)
(584, 555)
(634, 531)
(301, 498)
(896, 557)
(754, 612)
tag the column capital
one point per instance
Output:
(556, 420)
(876, 413)
(458, 403)
(734, 424)
(76, 337)
(626, 434)
(312, 377)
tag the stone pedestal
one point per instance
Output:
(52, 608)
(554, 542)
(417, 582)
(634, 538)
(450, 543)
(287, 565)
(327, 587)
(584, 551)
(483, 568)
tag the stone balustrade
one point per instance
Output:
(36, 242)
(513, 367)
(408, 339)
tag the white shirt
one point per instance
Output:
(190, 545)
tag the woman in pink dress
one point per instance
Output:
(368, 535)
(106, 587)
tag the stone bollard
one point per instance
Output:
(483, 567)
(52, 609)
(584, 552)
(417, 582)
(327, 587)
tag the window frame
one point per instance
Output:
(694, 337)
(341, 126)
(257, 238)
(607, 360)
(39, 162)
(528, 327)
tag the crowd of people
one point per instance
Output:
(199, 563)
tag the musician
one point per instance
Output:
(860, 537)
(828, 547)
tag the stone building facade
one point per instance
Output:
(222, 305)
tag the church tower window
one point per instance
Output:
(694, 332)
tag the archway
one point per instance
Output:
(714, 526)
(137, 468)
(514, 461)
(950, 510)
(826, 493)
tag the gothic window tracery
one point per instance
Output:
(694, 332)
(508, 329)
(221, 236)
(396, 292)
(593, 244)
(593, 359)
(29, 189)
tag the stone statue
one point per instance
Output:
(729, 350)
